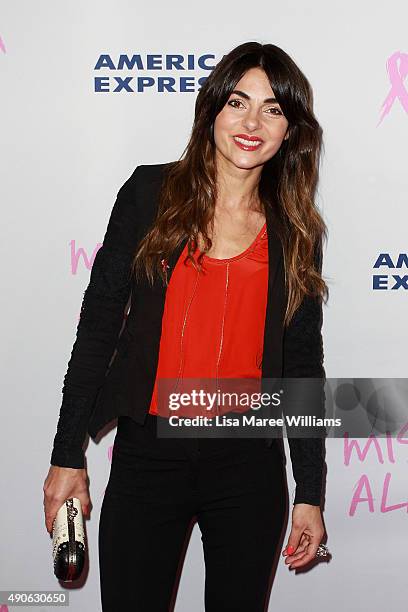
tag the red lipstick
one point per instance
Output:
(243, 140)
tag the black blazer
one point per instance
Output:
(112, 367)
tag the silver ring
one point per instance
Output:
(322, 551)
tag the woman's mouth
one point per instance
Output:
(247, 145)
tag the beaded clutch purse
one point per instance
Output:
(68, 538)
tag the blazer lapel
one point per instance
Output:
(275, 305)
(172, 261)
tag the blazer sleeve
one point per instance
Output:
(303, 358)
(101, 319)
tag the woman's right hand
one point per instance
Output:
(60, 484)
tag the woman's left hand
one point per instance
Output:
(305, 536)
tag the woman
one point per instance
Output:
(221, 253)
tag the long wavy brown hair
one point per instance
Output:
(287, 184)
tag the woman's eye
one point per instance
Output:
(231, 103)
(273, 108)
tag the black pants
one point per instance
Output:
(235, 489)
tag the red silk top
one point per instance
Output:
(213, 327)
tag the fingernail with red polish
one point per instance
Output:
(291, 550)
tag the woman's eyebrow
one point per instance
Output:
(245, 95)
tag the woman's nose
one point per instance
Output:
(251, 121)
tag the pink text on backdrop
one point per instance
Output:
(80, 253)
(381, 450)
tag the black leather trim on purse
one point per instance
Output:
(68, 537)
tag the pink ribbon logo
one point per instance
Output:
(396, 73)
(3, 48)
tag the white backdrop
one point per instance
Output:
(66, 150)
